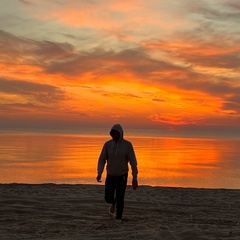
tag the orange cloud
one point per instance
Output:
(172, 119)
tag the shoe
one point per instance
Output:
(111, 210)
(118, 220)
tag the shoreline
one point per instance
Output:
(78, 211)
(102, 184)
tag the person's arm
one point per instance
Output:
(101, 163)
(133, 163)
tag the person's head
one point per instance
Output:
(115, 135)
(116, 132)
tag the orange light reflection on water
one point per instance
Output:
(49, 158)
(179, 162)
(176, 161)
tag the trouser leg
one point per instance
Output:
(120, 193)
(110, 187)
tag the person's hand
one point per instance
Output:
(134, 184)
(99, 176)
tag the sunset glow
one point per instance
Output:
(145, 64)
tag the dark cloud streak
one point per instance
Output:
(26, 2)
(40, 92)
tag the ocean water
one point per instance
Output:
(204, 162)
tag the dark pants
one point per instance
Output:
(116, 185)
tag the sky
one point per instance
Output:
(161, 64)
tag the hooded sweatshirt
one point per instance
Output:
(117, 155)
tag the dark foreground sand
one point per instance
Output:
(49, 211)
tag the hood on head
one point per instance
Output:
(118, 128)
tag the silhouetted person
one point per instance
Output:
(117, 153)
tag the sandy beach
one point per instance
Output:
(49, 211)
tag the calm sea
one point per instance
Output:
(205, 162)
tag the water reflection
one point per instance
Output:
(166, 162)
(190, 162)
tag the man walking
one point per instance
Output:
(117, 153)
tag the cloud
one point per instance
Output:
(124, 94)
(215, 10)
(202, 51)
(99, 63)
(26, 2)
(232, 103)
(138, 64)
(172, 119)
(26, 51)
(41, 93)
(63, 58)
(234, 5)
(163, 56)
(22, 108)
(158, 100)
